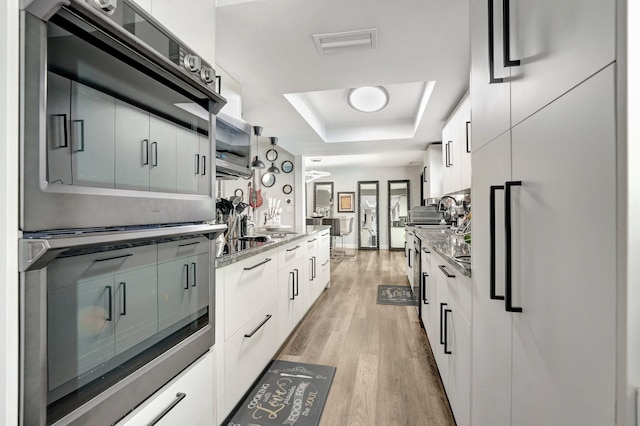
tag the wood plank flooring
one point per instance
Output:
(386, 374)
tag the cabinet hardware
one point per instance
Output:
(297, 281)
(114, 257)
(293, 248)
(442, 305)
(445, 272)
(324, 235)
(409, 260)
(204, 165)
(58, 123)
(405, 249)
(424, 175)
(425, 250)
(506, 36)
(467, 126)
(325, 263)
(448, 152)
(492, 242)
(293, 285)
(492, 78)
(145, 152)
(189, 244)
(424, 288)
(110, 298)
(310, 241)
(507, 227)
(311, 268)
(197, 157)
(194, 269)
(179, 397)
(255, 330)
(185, 268)
(124, 298)
(154, 151)
(78, 140)
(257, 264)
(446, 338)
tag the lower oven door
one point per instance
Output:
(109, 319)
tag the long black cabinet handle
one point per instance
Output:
(145, 152)
(248, 268)
(124, 298)
(405, 249)
(297, 281)
(409, 260)
(154, 150)
(507, 227)
(492, 77)
(293, 248)
(311, 268)
(445, 272)
(506, 35)
(314, 267)
(179, 397)
(492, 242)
(185, 268)
(424, 288)
(110, 297)
(442, 305)
(255, 330)
(194, 269)
(468, 130)
(450, 161)
(292, 275)
(446, 339)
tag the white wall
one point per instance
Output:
(345, 179)
(9, 61)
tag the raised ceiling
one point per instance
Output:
(421, 54)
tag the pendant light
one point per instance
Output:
(273, 169)
(256, 163)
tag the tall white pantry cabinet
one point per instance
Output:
(544, 231)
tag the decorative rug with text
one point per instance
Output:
(396, 295)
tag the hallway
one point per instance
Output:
(386, 374)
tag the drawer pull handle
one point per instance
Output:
(425, 250)
(255, 330)
(325, 263)
(310, 241)
(324, 235)
(257, 264)
(113, 258)
(293, 248)
(445, 272)
(179, 397)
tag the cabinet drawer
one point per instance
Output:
(182, 248)
(249, 286)
(291, 252)
(194, 408)
(245, 357)
(458, 286)
(312, 242)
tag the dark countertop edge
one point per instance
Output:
(423, 233)
(229, 259)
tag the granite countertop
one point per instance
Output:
(276, 241)
(447, 244)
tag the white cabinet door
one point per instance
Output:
(204, 170)
(564, 269)
(490, 101)
(81, 328)
(188, 161)
(135, 318)
(577, 37)
(132, 147)
(428, 294)
(324, 275)
(446, 160)
(291, 297)
(162, 155)
(58, 138)
(312, 271)
(433, 169)
(491, 384)
(464, 154)
(459, 377)
(189, 398)
(441, 304)
(92, 130)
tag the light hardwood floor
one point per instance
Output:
(386, 374)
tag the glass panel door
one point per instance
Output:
(368, 215)
(398, 202)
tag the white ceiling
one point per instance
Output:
(267, 46)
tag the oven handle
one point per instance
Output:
(74, 135)
(145, 152)
(154, 152)
(36, 253)
(110, 309)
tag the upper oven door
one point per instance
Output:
(114, 132)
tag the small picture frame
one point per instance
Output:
(346, 202)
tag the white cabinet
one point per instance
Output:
(429, 306)
(291, 295)
(408, 255)
(188, 398)
(456, 149)
(311, 271)
(559, 297)
(92, 130)
(577, 37)
(452, 346)
(432, 171)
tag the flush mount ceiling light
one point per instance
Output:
(368, 98)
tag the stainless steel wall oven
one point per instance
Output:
(118, 125)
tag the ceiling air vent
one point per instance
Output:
(349, 40)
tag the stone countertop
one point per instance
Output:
(447, 244)
(281, 239)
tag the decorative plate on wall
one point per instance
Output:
(272, 155)
(287, 189)
(268, 180)
(287, 166)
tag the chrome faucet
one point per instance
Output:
(443, 198)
